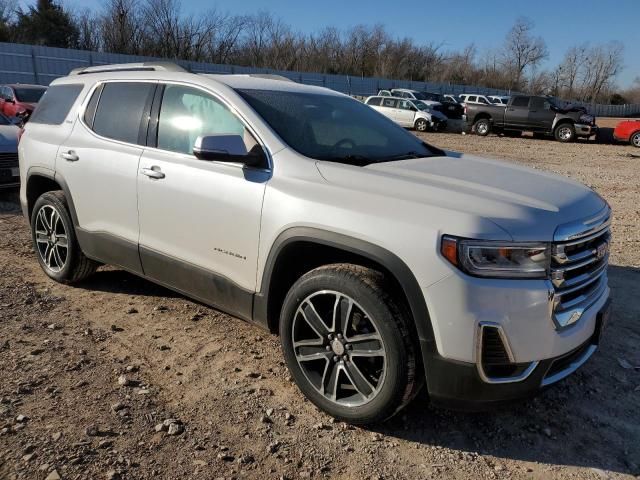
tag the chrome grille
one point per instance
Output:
(579, 270)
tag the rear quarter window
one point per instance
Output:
(55, 104)
(374, 101)
(121, 110)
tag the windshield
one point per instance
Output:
(29, 95)
(433, 97)
(420, 105)
(335, 128)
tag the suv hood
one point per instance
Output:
(529, 204)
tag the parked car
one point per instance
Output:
(540, 115)
(408, 93)
(384, 263)
(628, 131)
(474, 99)
(19, 100)
(499, 99)
(408, 113)
(9, 171)
(452, 110)
(452, 98)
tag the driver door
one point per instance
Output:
(406, 113)
(199, 219)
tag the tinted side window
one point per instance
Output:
(188, 113)
(537, 103)
(55, 104)
(374, 101)
(121, 110)
(405, 105)
(389, 102)
(90, 111)
(483, 101)
(520, 102)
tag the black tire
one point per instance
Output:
(402, 372)
(75, 265)
(635, 139)
(421, 125)
(565, 133)
(482, 127)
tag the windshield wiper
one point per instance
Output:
(358, 160)
(402, 156)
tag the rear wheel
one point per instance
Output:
(347, 344)
(482, 127)
(635, 140)
(565, 132)
(54, 240)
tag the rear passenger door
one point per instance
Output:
(199, 219)
(389, 108)
(517, 113)
(99, 163)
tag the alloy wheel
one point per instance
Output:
(339, 348)
(565, 133)
(51, 238)
(482, 128)
(636, 140)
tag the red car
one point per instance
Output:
(18, 99)
(628, 131)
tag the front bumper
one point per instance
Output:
(461, 386)
(583, 130)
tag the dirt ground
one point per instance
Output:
(119, 378)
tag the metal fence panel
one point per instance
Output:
(37, 64)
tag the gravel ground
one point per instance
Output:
(119, 378)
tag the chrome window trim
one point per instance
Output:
(232, 109)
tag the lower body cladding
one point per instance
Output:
(498, 340)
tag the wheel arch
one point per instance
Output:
(300, 249)
(561, 121)
(39, 181)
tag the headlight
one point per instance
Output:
(497, 259)
(585, 118)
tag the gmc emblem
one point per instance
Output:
(602, 250)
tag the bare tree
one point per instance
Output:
(522, 50)
(121, 26)
(603, 63)
(89, 37)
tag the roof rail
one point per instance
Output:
(130, 67)
(270, 76)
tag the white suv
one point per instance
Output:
(383, 262)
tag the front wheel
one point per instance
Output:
(565, 133)
(421, 125)
(347, 344)
(635, 140)
(482, 127)
(54, 240)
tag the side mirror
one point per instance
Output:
(227, 148)
(10, 100)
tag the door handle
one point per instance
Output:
(153, 172)
(70, 156)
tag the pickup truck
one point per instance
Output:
(544, 116)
